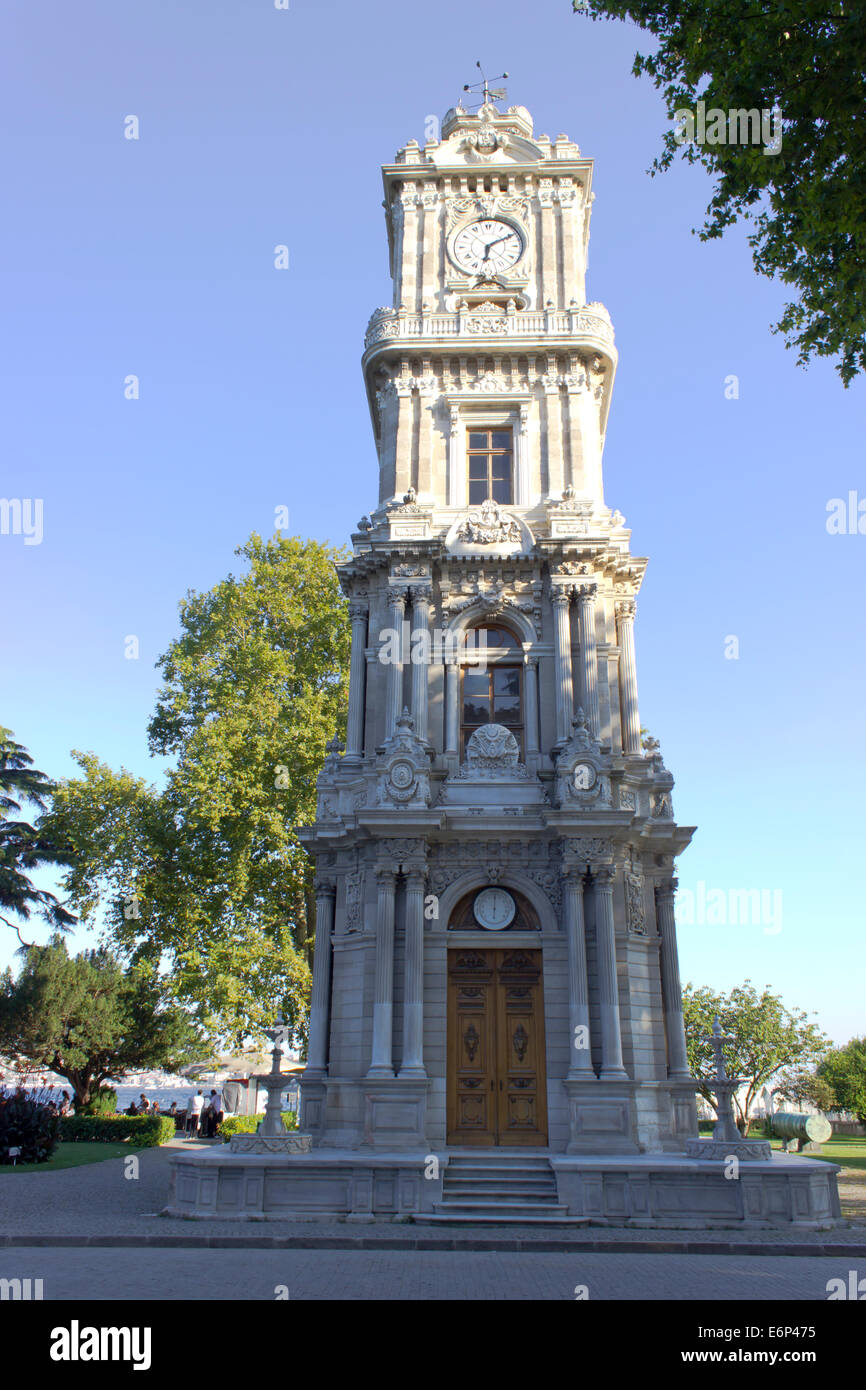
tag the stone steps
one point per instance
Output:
(507, 1189)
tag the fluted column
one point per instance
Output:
(561, 600)
(678, 1063)
(381, 1063)
(452, 695)
(357, 680)
(580, 1064)
(608, 990)
(413, 1000)
(588, 657)
(531, 697)
(397, 605)
(628, 677)
(420, 669)
(317, 1050)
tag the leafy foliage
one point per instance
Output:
(29, 1126)
(104, 1102)
(25, 847)
(208, 875)
(844, 1069)
(143, 1131)
(807, 204)
(86, 1019)
(802, 1086)
(766, 1038)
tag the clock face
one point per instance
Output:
(488, 247)
(494, 909)
(584, 777)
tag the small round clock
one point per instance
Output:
(494, 909)
(584, 777)
(487, 247)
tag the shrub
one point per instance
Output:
(30, 1127)
(248, 1124)
(103, 1103)
(144, 1131)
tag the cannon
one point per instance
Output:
(801, 1133)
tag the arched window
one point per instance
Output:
(493, 694)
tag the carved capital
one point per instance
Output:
(586, 593)
(666, 892)
(325, 888)
(603, 876)
(625, 610)
(397, 599)
(358, 609)
(560, 597)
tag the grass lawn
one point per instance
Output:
(72, 1156)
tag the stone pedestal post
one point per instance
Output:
(561, 600)
(413, 994)
(678, 1065)
(381, 1063)
(397, 605)
(420, 669)
(588, 657)
(628, 677)
(357, 681)
(580, 1065)
(608, 990)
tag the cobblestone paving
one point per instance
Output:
(98, 1202)
(254, 1275)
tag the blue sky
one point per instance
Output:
(155, 257)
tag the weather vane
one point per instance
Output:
(488, 93)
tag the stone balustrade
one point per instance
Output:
(388, 324)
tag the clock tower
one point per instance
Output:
(496, 1029)
(496, 962)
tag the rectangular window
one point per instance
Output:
(490, 466)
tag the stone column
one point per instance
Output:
(678, 1065)
(413, 995)
(531, 699)
(457, 492)
(317, 1050)
(628, 677)
(588, 657)
(580, 1057)
(420, 669)
(608, 990)
(397, 602)
(521, 458)
(357, 680)
(381, 1063)
(452, 696)
(561, 600)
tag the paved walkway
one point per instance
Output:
(264, 1275)
(98, 1205)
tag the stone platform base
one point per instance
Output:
(724, 1149)
(647, 1190)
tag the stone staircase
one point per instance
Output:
(490, 1187)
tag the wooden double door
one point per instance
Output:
(497, 1084)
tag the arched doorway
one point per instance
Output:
(496, 1073)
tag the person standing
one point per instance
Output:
(216, 1113)
(193, 1114)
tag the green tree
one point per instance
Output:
(207, 874)
(844, 1069)
(806, 203)
(766, 1038)
(25, 846)
(802, 1086)
(87, 1019)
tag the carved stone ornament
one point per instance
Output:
(403, 768)
(634, 901)
(489, 526)
(492, 751)
(580, 780)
